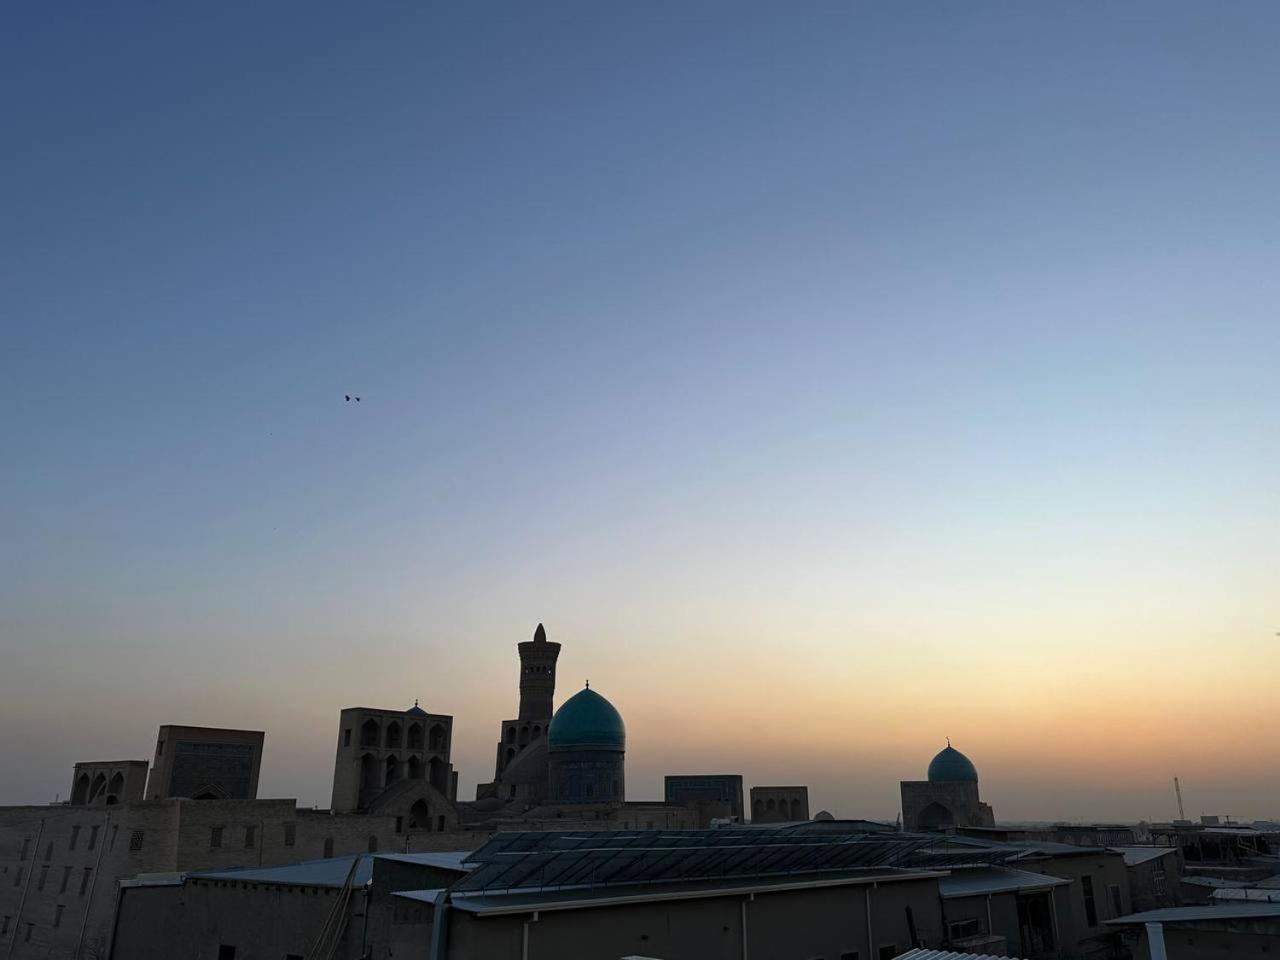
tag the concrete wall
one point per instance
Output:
(800, 924)
(1106, 870)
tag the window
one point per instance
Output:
(965, 928)
(440, 823)
(226, 952)
(93, 837)
(1157, 880)
(44, 875)
(4, 926)
(48, 852)
(26, 937)
(888, 951)
(328, 846)
(373, 844)
(84, 879)
(399, 824)
(17, 877)
(1117, 905)
(849, 955)
(135, 840)
(57, 915)
(346, 737)
(1090, 909)
(26, 847)
(159, 747)
(250, 837)
(66, 878)
(75, 835)
(215, 838)
(114, 831)
(290, 834)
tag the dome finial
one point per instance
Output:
(588, 684)
(540, 635)
(948, 741)
(415, 701)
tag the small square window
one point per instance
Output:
(4, 926)
(66, 878)
(328, 848)
(17, 877)
(290, 834)
(226, 952)
(75, 835)
(26, 848)
(26, 937)
(57, 915)
(44, 875)
(84, 879)
(135, 840)
(346, 737)
(250, 837)
(399, 824)
(215, 838)
(48, 852)
(93, 837)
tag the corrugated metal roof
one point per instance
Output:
(969, 883)
(1247, 893)
(925, 954)
(1225, 911)
(512, 861)
(1133, 856)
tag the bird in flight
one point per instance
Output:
(350, 398)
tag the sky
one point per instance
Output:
(830, 379)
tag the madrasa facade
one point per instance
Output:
(552, 768)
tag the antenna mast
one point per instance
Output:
(1177, 789)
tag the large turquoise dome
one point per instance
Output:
(587, 720)
(952, 766)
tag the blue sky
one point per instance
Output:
(777, 358)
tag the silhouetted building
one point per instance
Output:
(206, 763)
(948, 798)
(779, 804)
(108, 782)
(716, 796)
(586, 751)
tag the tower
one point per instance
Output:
(537, 676)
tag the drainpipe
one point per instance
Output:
(524, 936)
(871, 949)
(1155, 940)
(17, 921)
(440, 927)
(990, 928)
(745, 900)
(93, 884)
(1053, 917)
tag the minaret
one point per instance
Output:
(537, 676)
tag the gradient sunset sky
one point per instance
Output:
(830, 379)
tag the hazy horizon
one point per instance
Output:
(829, 382)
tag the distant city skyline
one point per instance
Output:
(828, 382)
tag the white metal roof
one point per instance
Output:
(924, 954)
(970, 883)
(1225, 911)
(1136, 855)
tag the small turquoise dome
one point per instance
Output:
(416, 711)
(952, 766)
(586, 720)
